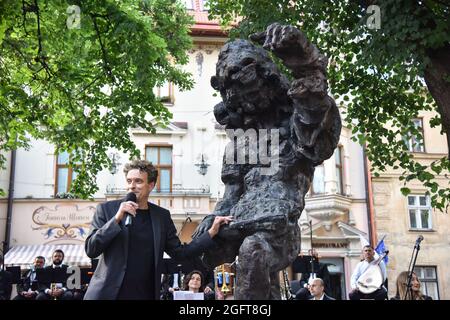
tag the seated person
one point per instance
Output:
(317, 288)
(28, 289)
(361, 268)
(172, 280)
(415, 292)
(59, 291)
(194, 282)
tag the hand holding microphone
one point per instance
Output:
(128, 208)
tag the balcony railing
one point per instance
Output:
(175, 191)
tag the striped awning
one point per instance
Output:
(23, 256)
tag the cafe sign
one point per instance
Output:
(63, 222)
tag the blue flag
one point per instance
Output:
(380, 249)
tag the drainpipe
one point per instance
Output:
(10, 201)
(369, 201)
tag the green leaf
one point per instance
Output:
(405, 191)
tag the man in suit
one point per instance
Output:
(131, 257)
(5, 282)
(59, 291)
(27, 289)
(315, 269)
(317, 290)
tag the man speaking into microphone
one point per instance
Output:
(130, 236)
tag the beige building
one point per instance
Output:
(187, 153)
(403, 219)
(335, 215)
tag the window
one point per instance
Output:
(339, 171)
(419, 210)
(318, 185)
(164, 92)
(204, 5)
(64, 174)
(428, 277)
(161, 158)
(189, 4)
(413, 141)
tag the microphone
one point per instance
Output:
(419, 239)
(130, 197)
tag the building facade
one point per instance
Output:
(402, 219)
(188, 154)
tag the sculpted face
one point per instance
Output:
(249, 83)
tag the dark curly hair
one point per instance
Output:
(188, 277)
(142, 166)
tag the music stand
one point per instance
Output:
(302, 264)
(94, 264)
(52, 275)
(86, 275)
(15, 272)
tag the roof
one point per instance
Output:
(24, 255)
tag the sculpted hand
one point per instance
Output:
(204, 225)
(218, 221)
(281, 40)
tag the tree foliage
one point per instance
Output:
(380, 75)
(81, 84)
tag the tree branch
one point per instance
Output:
(38, 28)
(24, 13)
(40, 57)
(105, 59)
(88, 85)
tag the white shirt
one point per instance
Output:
(32, 275)
(321, 297)
(361, 268)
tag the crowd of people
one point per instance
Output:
(36, 283)
(314, 286)
(130, 257)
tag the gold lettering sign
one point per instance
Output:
(63, 222)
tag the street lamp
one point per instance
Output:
(114, 163)
(202, 166)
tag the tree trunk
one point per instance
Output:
(437, 78)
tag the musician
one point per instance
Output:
(317, 290)
(60, 291)
(5, 282)
(380, 293)
(27, 289)
(415, 292)
(194, 282)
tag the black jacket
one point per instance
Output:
(25, 283)
(325, 297)
(109, 241)
(5, 285)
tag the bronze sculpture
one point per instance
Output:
(257, 96)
